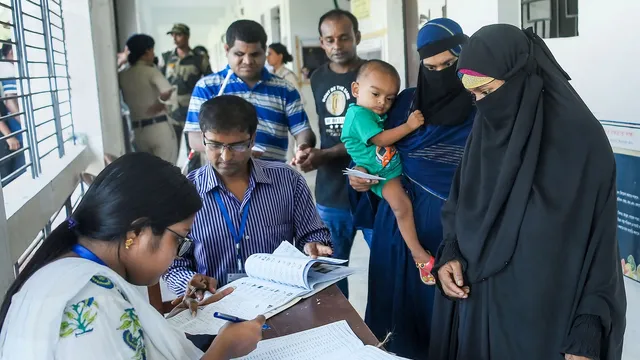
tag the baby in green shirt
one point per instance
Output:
(371, 147)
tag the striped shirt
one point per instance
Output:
(281, 208)
(8, 76)
(277, 103)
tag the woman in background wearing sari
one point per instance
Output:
(399, 302)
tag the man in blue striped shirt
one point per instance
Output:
(249, 206)
(277, 102)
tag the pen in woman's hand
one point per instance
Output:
(234, 319)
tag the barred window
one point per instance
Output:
(551, 18)
(61, 215)
(35, 111)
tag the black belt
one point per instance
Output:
(146, 122)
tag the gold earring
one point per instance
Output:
(127, 244)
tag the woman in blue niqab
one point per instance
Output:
(398, 301)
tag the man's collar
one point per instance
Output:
(257, 170)
(212, 181)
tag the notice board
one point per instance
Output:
(628, 183)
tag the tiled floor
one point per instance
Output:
(358, 284)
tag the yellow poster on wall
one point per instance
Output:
(361, 8)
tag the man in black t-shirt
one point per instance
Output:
(331, 85)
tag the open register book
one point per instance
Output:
(274, 283)
(334, 341)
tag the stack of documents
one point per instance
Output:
(362, 175)
(333, 341)
(275, 282)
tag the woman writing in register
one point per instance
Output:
(76, 298)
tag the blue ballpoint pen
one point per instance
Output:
(234, 319)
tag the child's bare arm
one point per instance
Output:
(392, 136)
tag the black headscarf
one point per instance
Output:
(537, 162)
(439, 94)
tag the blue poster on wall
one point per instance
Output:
(628, 183)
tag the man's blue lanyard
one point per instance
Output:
(237, 235)
(85, 253)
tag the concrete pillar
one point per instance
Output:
(6, 263)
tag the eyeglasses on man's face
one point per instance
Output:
(217, 147)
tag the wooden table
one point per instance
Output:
(323, 308)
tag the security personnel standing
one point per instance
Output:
(183, 68)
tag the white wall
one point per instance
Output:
(128, 18)
(383, 29)
(609, 90)
(472, 15)
(432, 9)
(156, 17)
(217, 32)
(103, 37)
(601, 62)
(91, 23)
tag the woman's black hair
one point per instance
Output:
(282, 50)
(136, 191)
(138, 45)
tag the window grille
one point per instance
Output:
(61, 215)
(551, 18)
(34, 60)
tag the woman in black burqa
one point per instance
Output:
(529, 266)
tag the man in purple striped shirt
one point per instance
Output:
(249, 206)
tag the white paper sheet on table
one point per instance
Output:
(360, 174)
(333, 341)
(251, 297)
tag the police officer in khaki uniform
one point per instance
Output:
(147, 93)
(183, 68)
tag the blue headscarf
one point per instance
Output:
(439, 35)
(439, 95)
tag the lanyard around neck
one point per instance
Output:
(85, 253)
(237, 234)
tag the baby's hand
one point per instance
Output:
(415, 120)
